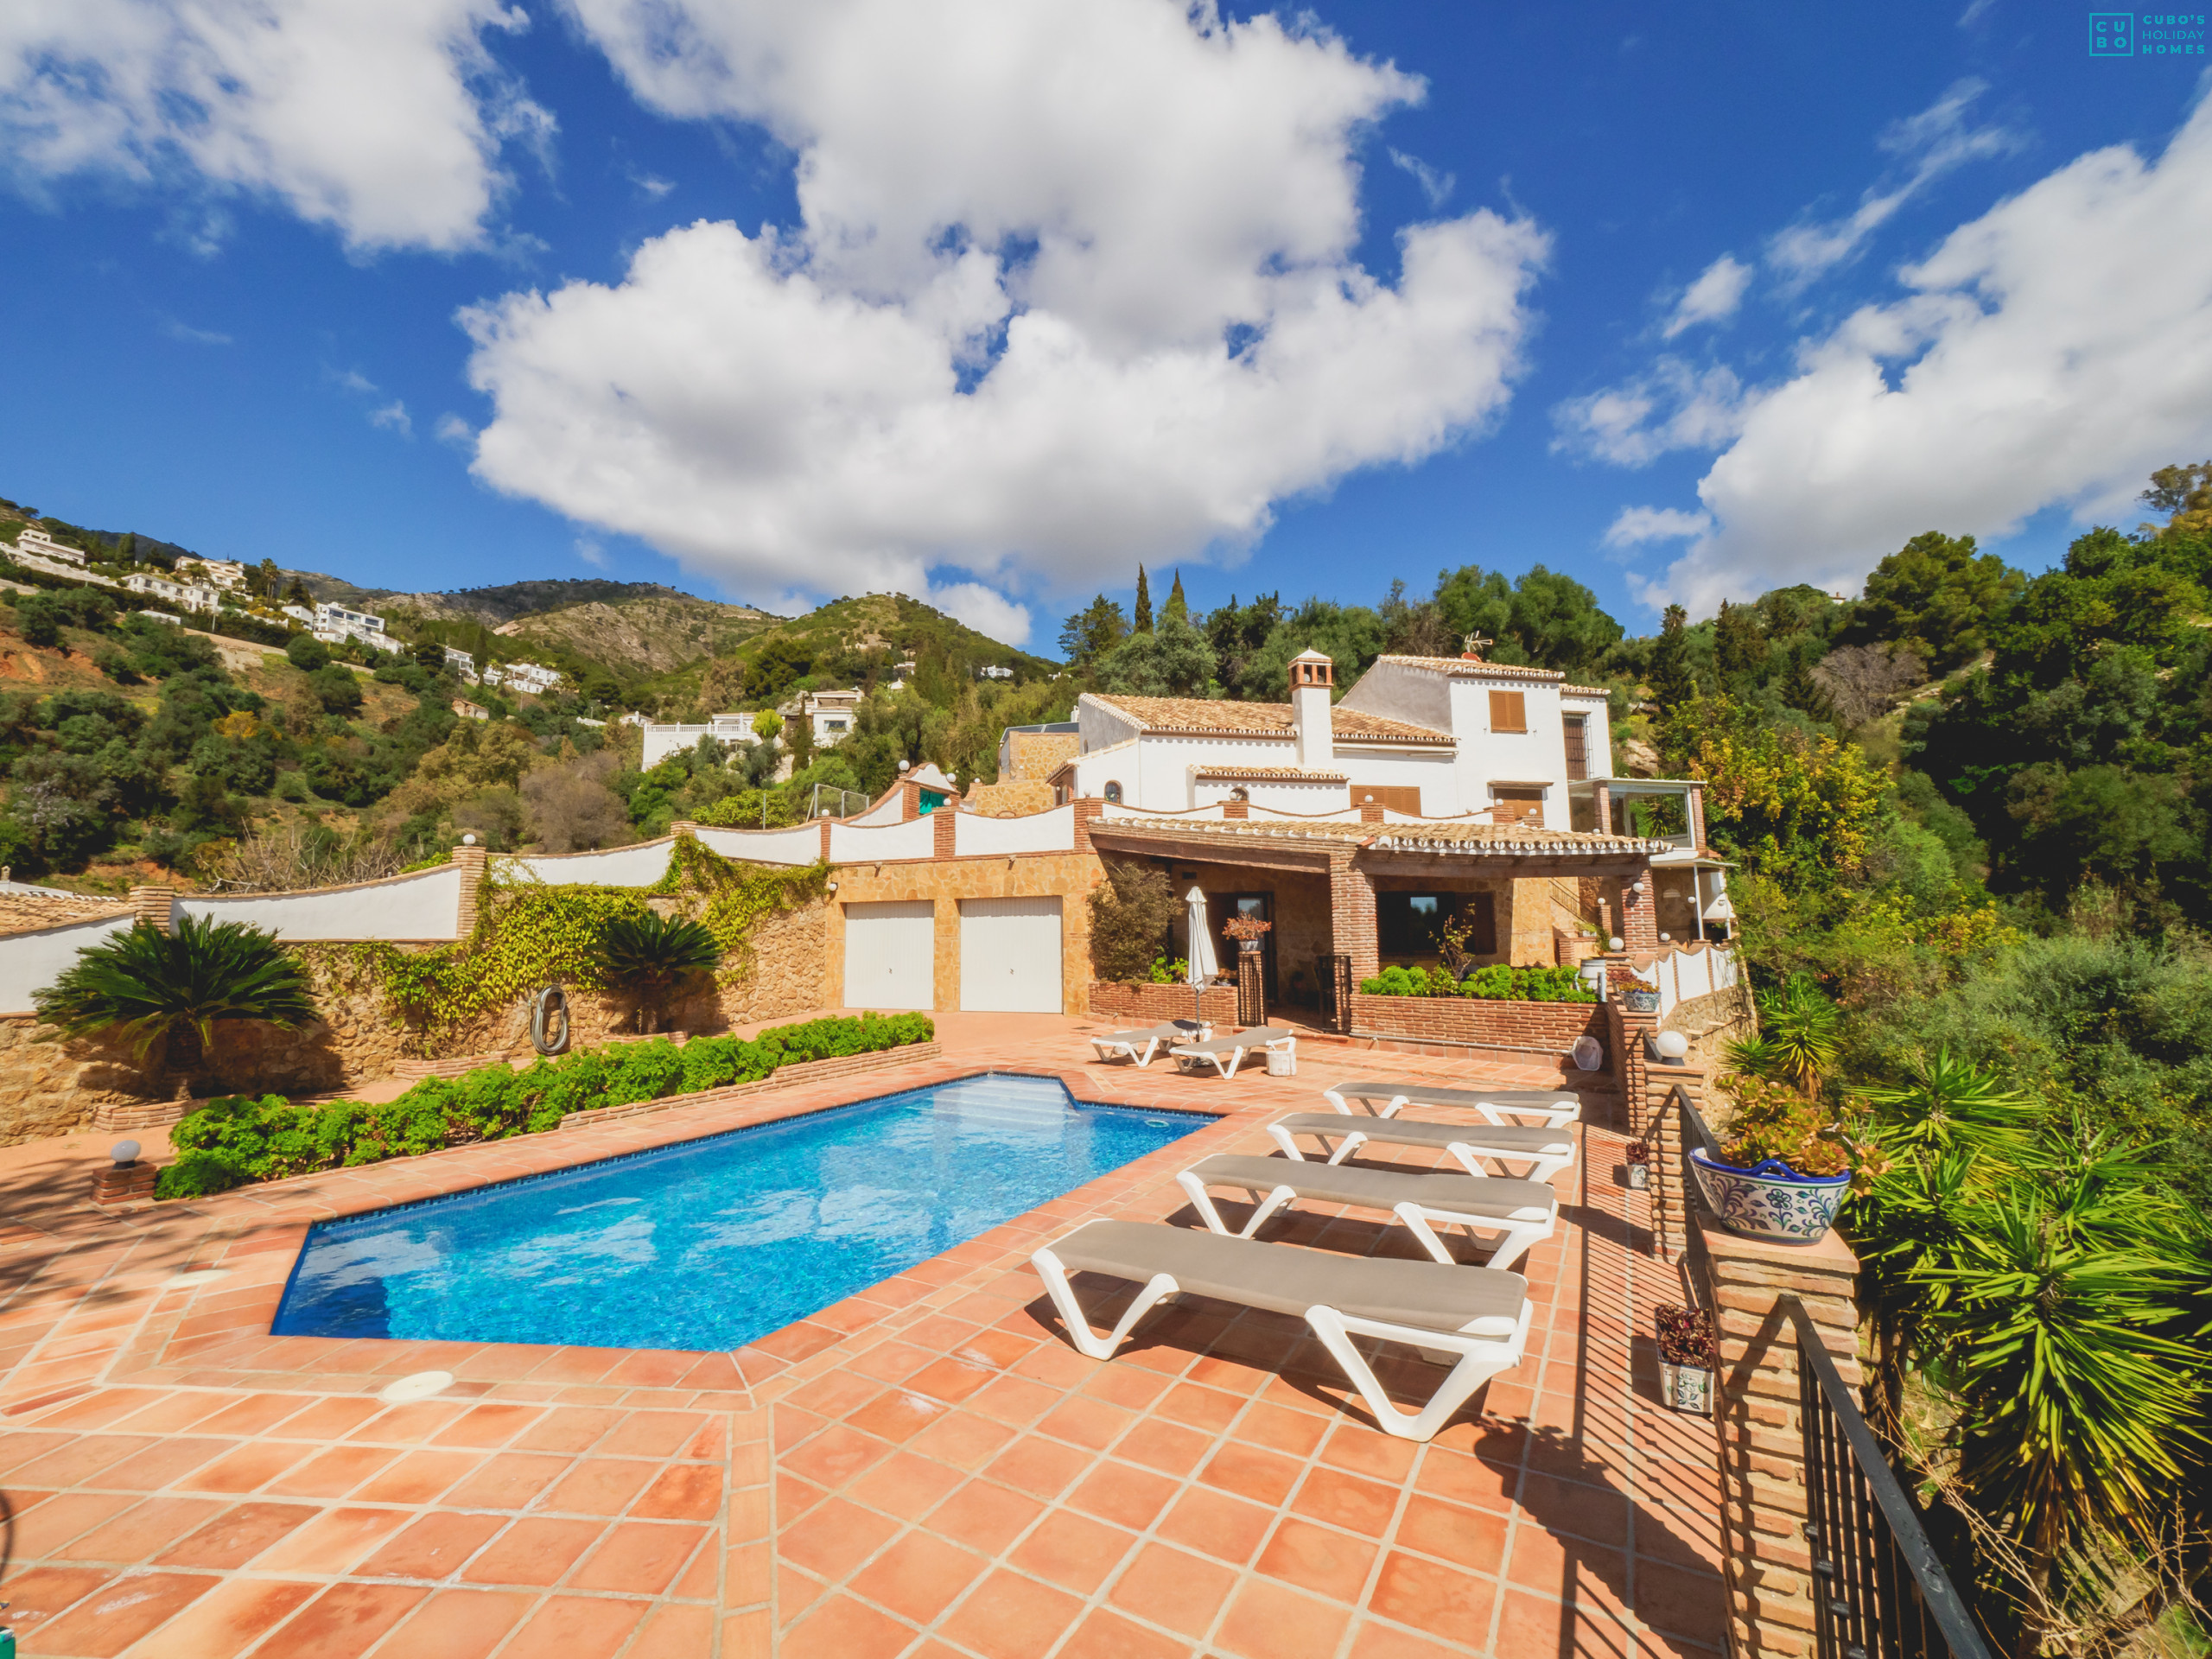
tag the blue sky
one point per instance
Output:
(988, 299)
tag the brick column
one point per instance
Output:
(1236, 808)
(154, 906)
(942, 830)
(1636, 915)
(1693, 807)
(123, 1184)
(1370, 812)
(1351, 917)
(825, 839)
(1601, 796)
(1766, 1564)
(909, 800)
(471, 860)
(1087, 809)
(684, 827)
(1667, 1132)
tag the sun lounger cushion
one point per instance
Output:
(1379, 1189)
(1511, 1139)
(1243, 1040)
(1421, 1094)
(1283, 1278)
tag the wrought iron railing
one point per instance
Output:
(1879, 1590)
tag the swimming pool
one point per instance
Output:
(710, 1244)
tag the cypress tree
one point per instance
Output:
(1670, 680)
(1140, 617)
(1177, 606)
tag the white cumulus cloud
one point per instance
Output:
(984, 609)
(1713, 297)
(1073, 286)
(392, 417)
(1633, 526)
(1675, 406)
(385, 121)
(2050, 353)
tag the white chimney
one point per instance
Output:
(1312, 678)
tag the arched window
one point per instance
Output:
(1114, 792)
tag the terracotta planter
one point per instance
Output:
(1771, 1201)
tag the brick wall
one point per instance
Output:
(1152, 1005)
(1351, 914)
(1477, 1022)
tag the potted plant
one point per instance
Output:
(1247, 931)
(1638, 1154)
(1688, 1354)
(1782, 1168)
(1640, 995)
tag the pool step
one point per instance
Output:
(842, 1065)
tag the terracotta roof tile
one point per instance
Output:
(1262, 774)
(25, 912)
(1462, 667)
(1429, 836)
(1213, 716)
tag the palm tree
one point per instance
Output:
(648, 956)
(171, 990)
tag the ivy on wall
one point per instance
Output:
(530, 932)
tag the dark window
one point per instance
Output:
(1577, 754)
(1113, 792)
(1409, 922)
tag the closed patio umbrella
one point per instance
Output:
(1203, 966)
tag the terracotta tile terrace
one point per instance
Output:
(927, 1468)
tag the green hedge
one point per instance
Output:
(1496, 983)
(235, 1140)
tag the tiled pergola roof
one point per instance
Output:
(1472, 668)
(1219, 717)
(1508, 840)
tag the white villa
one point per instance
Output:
(831, 714)
(186, 595)
(664, 738)
(1427, 737)
(334, 623)
(33, 540)
(534, 677)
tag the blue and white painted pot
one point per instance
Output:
(1771, 1201)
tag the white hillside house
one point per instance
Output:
(34, 541)
(1430, 737)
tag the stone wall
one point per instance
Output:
(50, 1088)
(1010, 798)
(1713, 1021)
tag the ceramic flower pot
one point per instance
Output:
(1687, 1388)
(1641, 1002)
(1771, 1201)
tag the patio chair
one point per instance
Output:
(1141, 1046)
(1553, 1106)
(1225, 1054)
(1519, 1212)
(1480, 1315)
(1545, 1151)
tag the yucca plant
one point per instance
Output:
(1802, 1032)
(648, 956)
(169, 991)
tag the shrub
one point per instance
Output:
(1129, 919)
(1497, 982)
(233, 1140)
(1686, 1336)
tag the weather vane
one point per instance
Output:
(1473, 644)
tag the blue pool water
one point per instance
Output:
(711, 1244)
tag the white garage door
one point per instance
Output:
(891, 955)
(1010, 955)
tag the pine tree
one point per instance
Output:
(1670, 680)
(1177, 606)
(1737, 641)
(1141, 619)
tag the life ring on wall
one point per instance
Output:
(549, 1022)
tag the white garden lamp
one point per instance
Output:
(1201, 965)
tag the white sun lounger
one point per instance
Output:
(1479, 1315)
(1387, 1098)
(1545, 1151)
(1518, 1212)
(1227, 1053)
(1141, 1046)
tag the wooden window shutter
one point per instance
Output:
(1508, 712)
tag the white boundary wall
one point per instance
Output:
(31, 962)
(424, 905)
(1041, 832)
(618, 866)
(851, 843)
(886, 810)
(801, 845)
